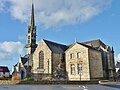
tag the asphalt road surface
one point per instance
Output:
(61, 87)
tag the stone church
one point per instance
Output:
(79, 61)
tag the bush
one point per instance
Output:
(28, 79)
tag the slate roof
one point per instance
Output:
(95, 43)
(87, 46)
(24, 60)
(94, 48)
(55, 47)
(4, 69)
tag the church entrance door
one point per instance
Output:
(22, 74)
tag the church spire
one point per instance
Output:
(31, 35)
(32, 21)
(112, 49)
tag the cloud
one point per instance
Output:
(2, 4)
(51, 13)
(22, 38)
(117, 58)
(8, 50)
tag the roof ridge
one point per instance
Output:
(56, 47)
(91, 40)
(88, 46)
(54, 42)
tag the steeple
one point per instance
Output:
(32, 21)
(112, 50)
(31, 35)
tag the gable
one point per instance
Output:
(56, 47)
(42, 46)
(76, 47)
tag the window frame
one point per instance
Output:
(72, 69)
(79, 68)
(72, 56)
(79, 55)
(41, 60)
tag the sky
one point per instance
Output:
(61, 21)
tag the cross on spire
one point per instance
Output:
(75, 40)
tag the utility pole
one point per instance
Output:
(80, 76)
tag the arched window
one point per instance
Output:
(41, 60)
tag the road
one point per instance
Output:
(61, 87)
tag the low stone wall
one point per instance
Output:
(2, 82)
(58, 82)
(8, 82)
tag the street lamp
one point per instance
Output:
(48, 66)
(28, 65)
(80, 75)
(80, 70)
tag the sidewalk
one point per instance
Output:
(108, 83)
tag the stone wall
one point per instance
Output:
(47, 58)
(8, 82)
(51, 60)
(111, 64)
(57, 58)
(57, 82)
(95, 59)
(85, 75)
(108, 62)
(58, 67)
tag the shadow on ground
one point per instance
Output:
(113, 86)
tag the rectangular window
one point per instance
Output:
(28, 37)
(79, 68)
(72, 56)
(28, 41)
(79, 55)
(72, 66)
